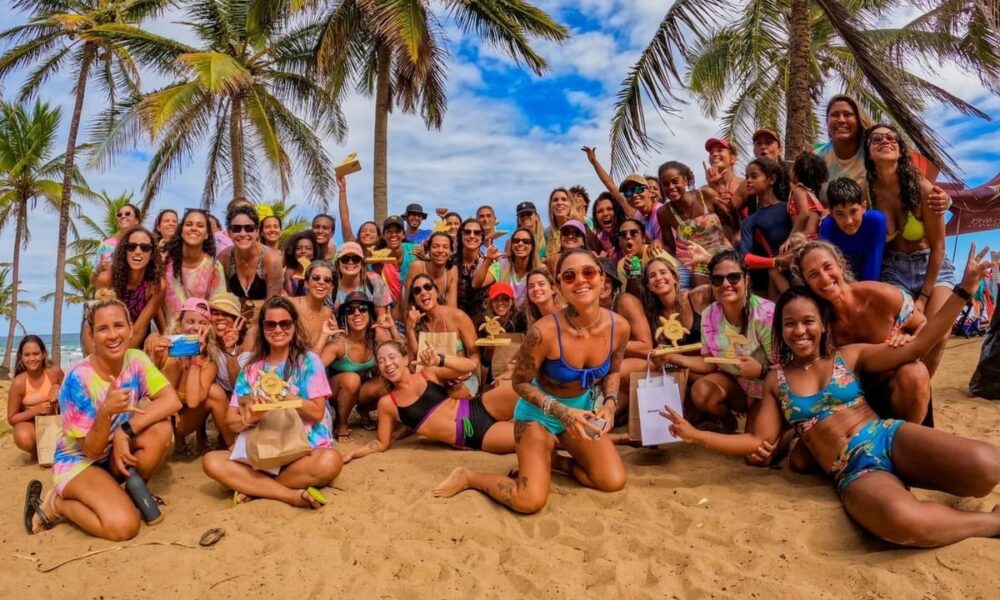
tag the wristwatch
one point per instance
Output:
(127, 428)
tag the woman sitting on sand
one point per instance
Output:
(735, 328)
(34, 391)
(302, 245)
(349, 353)
(422, 403)
(557, 397)
(103, 427)
(191, 376)
(429, 314)
(282, 348)
(870, 312)
(874, 461)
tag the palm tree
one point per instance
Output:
(242, 90)
(392, 50)
(55, 38)
(105, 227)
(769, 62)
(78, 283)
(9, 303)
(290, 223)
(28, 172)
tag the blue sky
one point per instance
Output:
(508, 135)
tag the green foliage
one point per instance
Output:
(78, 274)
(7, 309)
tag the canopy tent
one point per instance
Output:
(973, 210)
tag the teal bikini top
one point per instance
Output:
(344, 364)
(841, 392)
(560, 371)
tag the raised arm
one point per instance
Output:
(345, 209)
(606, 179)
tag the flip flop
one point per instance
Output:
(239, 498)
(317, 495)
(33, 506)
(211, 537)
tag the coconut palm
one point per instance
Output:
(290, 222)
(78, 277)
(28, 173)
(9, 302)
(393, 50)
(241, 91)
(54, 39)
(106, 225)
(779, 56)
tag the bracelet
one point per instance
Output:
(612, 398)
(763, 371)
(127, 428)
(959, 291)
(547, 406)
(928, 296)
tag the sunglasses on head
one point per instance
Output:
(133, 246)
(350, 259)
(124, 213)
(732, 278)
(425, 287)
(324, 278)
(476, 232)
(284, 324)
(350, 309)
(588, 273)
(629, 233)
(521, 240)
(632, 191)
(248, 228)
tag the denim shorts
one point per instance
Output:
(907, 270)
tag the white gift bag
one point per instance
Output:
(653, 393)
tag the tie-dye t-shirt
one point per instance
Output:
(720, 339)
(105, 250)
(308, 381)
(82, 395)
(200, 282)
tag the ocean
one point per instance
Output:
(72, 352)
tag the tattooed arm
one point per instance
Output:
(611, 381)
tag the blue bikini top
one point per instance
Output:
(842, 391)
(560, 371)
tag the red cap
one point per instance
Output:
(500, 289)
(718, 142)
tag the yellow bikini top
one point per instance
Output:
(913, 230)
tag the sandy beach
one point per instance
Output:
(690, 524)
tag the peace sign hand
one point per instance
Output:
(975, 269)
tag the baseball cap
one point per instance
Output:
(633, 179)
(576, 224)
(763, 131)
(526, 207)
(394, 220)
(719, 142)
(351, 248)
(501, 289)
(415, 209)
(198, 305)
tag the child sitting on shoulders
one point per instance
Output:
(858, 231)
(809, 173)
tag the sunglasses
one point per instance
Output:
(732, 278)
(284, 324)
(571, 232)
(248, 228)
(588, 273)
(133, 246)
(124, 213)
(350, 259)
(425, 287)
(633, 191)
(322, 278)
(355, 308)
(521, 241)
(878, 138)
(475, 232)
(629, 233)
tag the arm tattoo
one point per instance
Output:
(525, 369)
(611, 381)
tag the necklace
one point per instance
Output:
(580, 330)
(808, 365)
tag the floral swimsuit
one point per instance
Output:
(704, 230)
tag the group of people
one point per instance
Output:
(822, 286)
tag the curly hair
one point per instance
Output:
(580, 191)
(246, 211)
(120, 268)
(909, 176)
(773, 168)
(175, 246)
(781, 348)
(451, 247)
(684, 170)
(289, 252)
(810, 170)
(298, 347)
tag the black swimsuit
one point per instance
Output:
(471, 422)
(257, 290)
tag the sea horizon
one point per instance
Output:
(72, 351)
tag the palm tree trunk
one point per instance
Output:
(798, 118)
(74, 126)
(380, 186)
(236, 147)
(7, 369)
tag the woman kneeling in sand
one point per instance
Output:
(282, 347)
(102, 427)
(874, 461)
(557, 398)
(421, 402)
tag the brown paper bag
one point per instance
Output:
(634, 426)
(504, 356)
(443, 342)
(47, 431)
(279, 439)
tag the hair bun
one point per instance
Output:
(105, 295)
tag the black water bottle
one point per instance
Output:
(141, 497)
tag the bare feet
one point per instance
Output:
(455, 483)
(305, 500)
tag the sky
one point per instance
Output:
(508, 135)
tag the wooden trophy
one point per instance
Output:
(349, 165)
(730, 358)
(671, 330)
(304, 264)
(493, 328)
(274, 389)
(441, 226)
(380, 256)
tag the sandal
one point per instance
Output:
(211, 537)
(239, 498)
(316, 495)
(33, 507)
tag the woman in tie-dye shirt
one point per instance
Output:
(192, 270)
(281, 346)
(103, 427)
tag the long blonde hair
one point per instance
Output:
(211, 350)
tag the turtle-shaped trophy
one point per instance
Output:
(381, 256)
(729, 357)
(441, 226)
(349, 165)
(672, 331)
(274, 389)
(304, 264)
(493, 328)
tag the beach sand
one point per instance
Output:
(689, 524)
